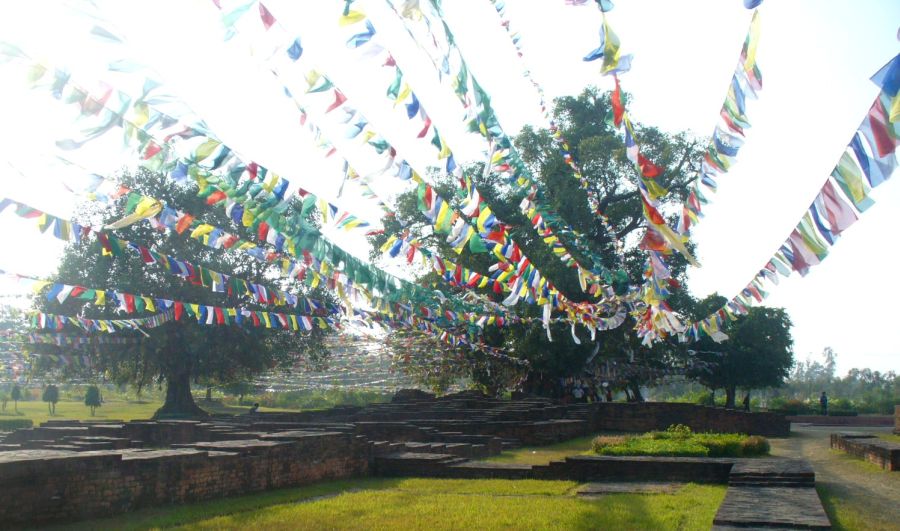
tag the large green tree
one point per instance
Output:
(599, 149)
(184, 352)
(758, 353)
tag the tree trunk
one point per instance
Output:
(730, 392)
(179, 402)
(209, 393)
(636, 391)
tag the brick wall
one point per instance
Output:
(43, 486)
(648, 416)
(857, 420)
(874, 450)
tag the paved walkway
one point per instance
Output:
(874, 493)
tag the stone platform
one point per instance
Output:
(771, 507)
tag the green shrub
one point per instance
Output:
(678, 441)
(660, 447)
(14, 424)
(754, 445)
(791, 406)
(706, 399)
(679, 431)
(721, 444)
(604, 441)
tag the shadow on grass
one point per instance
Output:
(178, 515)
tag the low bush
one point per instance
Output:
(754, 445)
(721, 444)
(680, 441)
(791, 406)
(604, 441)
(14, 424)
(660, 447)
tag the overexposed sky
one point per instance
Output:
(815, 55)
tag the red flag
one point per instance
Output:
(840, 214)
(877, 122)
(648, 169)
(267, 18)
(152, 149)
(652, 241)
(183, 223)
(216, 197)
(651, 213)
(263, 231)
(339, 99)
(129, 303)
(618, 108)
(425, 129)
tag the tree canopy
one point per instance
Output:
(758, 353)
(184, 352)
(618, 355)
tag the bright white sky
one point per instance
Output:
(816, 57)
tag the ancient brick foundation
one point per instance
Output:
(61, 485)
(68, 470)
(847, 421)
(874, 450)
(648, 416)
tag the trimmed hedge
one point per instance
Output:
(680, 441)
(15, 424)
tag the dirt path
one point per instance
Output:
(862, 495)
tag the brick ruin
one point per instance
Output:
(885, 454)
(69, 470)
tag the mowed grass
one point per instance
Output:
(889, 437)
(541, 455)
(434, 504)
(847, 514)
(112, 409)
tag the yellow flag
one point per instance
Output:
(352, 17)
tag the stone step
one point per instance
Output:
(509, 444)
(791, 484)
(766, 507)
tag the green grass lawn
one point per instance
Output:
(848, 514)
(112, 409)
(434, 504)
(889, 437)
(541, 455)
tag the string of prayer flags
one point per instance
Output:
(268, 207)
(482, 119)
(217, 282)
(205, 314)
(435, 209)
(50, 321)
(869, 159)
(65, 340)
(654, 318)
(561, 142)
(728, 135)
